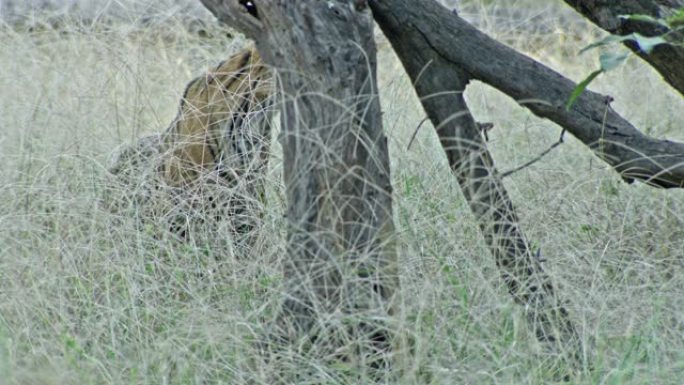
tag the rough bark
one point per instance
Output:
(668, 60)
(340, 266)
(545, 93)
(440, 87)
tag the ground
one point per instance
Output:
(87, 297)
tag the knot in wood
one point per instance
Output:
(250, 6)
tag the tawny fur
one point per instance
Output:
(209, 164)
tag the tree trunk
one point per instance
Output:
(340, 266)
(667, 59)
(545, 92)
(440, 86)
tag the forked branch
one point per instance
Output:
(592, 120)
(440, 87)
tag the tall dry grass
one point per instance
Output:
(87, 297)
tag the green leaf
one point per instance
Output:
(580, 88)
(610, 60)
(646, 44)
(645, 19)
(610, 39)
(677, 19)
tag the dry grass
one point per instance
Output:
(89, 298)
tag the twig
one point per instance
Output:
(482, 127)
(535, 160)
(413, 137)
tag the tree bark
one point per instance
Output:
(339, 271)
(545, 92)
(440, 86)
(667, 59)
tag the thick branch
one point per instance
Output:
(668, 60)
(545, 92)
(440, 86)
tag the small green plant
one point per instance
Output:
(611, 60)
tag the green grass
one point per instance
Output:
(87, 297)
